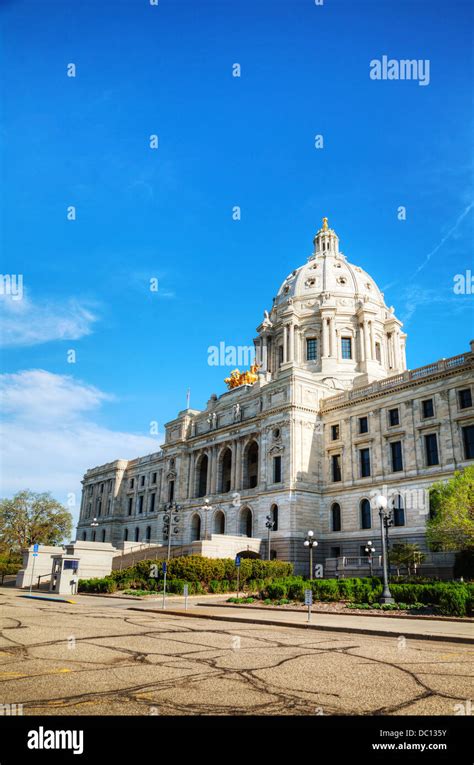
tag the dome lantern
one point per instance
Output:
(326, 240)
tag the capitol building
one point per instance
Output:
(327, 417)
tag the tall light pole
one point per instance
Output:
(310, 542)
(381, 504)
(205, 509)
(269, 524)
(170, 521)
(370, 549)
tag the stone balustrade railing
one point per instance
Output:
(389, 382)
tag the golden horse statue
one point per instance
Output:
(237, 378)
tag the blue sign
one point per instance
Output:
(237, 560)
(35, 555)
(164, 568)
(35, 548)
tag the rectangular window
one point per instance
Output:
(364, 456)
(393, 417)
(468, 442)
(130, 505)
(346, 347)
(152, 503)
(171, 492)
(280, 355)
(142, 481)
(397, 459)
(140, 503)
(132, 483)
(101, 488)
(378, 352)
(311, 349)
(336, 467)
(335, 552)
(431, 449)
(153, 477)
(334, 432)
(428, 409)
(465, 398)
(277, 469)
(363, 425)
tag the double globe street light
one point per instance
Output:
(170, 523)
(310, 542)
(381, 504)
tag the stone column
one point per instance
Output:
(325, 348)
(372, 340)
(396, 349)
(192, 462)
(366, 341)
(361, 343)
(333, 337)
(238, 466)
(291, 355)
(285, 344)
(264, 354)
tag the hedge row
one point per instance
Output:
(195, 568)
(450, 598)
(217, 575)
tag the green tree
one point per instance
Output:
(30, 518)
(405, 554)
(451, 526)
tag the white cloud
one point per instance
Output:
(49, 437)
(29, 322)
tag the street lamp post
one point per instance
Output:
(269, 524)
(94, 524)
(205, 509)
(310, 542)
(170, 521)
(370, 549)
(381, 505)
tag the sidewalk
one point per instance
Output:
(390, 626)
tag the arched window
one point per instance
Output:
(274, 517)
(148, 533)
(195, 527)
(336, 517)
(103, 535)
(202, 476)
(125, 535)
(225, 471)
(398, 511)
(219, 523)
(251, 466)
(137, 534)
(84, 536)
(365, 514)
(246, 522)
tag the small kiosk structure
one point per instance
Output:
(64, 574)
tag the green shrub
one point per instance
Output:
(453, 601)
(276, 590)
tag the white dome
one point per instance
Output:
(328, 272)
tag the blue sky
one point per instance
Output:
(167, 213)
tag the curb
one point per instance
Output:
(306, 626)
(455, 620)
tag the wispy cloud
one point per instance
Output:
(50, 436)
(413, 297)
(435, 249)
(444, 239)
(29, 322)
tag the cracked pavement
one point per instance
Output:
(99, 658)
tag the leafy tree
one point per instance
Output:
(29, 518)
(451, 526)
(405, 554)
(9, 564)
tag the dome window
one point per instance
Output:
(310, 282)
(342, 280)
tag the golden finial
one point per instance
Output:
(325, 224)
